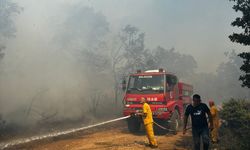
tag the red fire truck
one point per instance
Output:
(166, 96)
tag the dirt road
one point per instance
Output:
(112, 136)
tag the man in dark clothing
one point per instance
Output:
(200, 129)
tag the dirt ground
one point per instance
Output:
(112, 136)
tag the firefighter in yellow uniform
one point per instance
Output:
(215, 117)
(148, 123)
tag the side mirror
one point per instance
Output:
(124, 84)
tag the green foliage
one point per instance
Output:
(244, 37)
(245, 68)
(237, 115)
(242, 22)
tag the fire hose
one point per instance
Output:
(56, 134)
(167, 128)
(160, 126)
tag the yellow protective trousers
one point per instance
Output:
(150, 134)
(216, 124)
(214, 134)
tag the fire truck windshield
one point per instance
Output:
(146, 84)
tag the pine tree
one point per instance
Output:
(243, 38)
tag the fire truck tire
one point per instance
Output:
(174, 122)
(133, 124)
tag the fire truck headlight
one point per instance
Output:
(162, 109)
(127, 105)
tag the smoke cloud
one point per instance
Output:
(60, 64)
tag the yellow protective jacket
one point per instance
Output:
(147, 111)
(215, 116)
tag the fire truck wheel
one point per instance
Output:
(133, 124)
(174, 122)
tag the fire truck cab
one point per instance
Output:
(166, 96)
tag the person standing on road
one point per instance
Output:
(148, 123)
(198, 112)
(215, 117)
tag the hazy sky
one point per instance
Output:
(196, 27)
